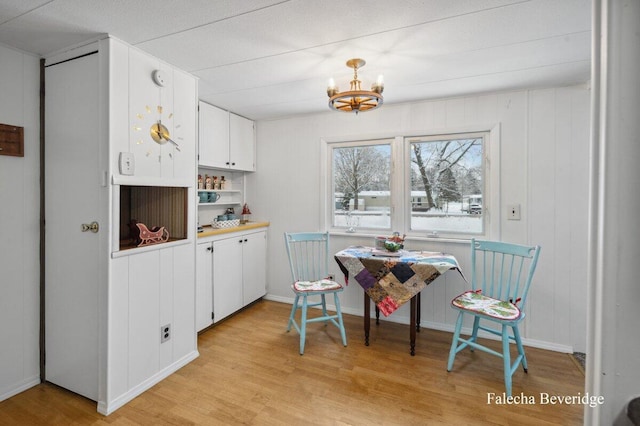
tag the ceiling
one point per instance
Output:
(273, 58)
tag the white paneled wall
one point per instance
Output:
(19, 226)
(544, 137)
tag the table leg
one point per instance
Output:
(377, 315)
(418, 315)
(367, 313)
(412, 326)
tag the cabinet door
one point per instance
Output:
(213, 139)
(227, 277)
(204, 285)
(254, 266)
(241, 143)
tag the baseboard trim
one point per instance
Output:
(21, 387)
(108, 407)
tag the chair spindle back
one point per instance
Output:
(502, 270)
(308, 255)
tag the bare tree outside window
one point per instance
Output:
(447, 184)
(361, 185)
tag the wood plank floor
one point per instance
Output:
(249, 372)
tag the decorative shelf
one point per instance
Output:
(230, 203)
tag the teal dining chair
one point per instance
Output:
(501, 275)
(309, 262)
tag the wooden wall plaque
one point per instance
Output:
(11, 140)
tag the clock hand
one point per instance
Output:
(173, 142)
(163, 133)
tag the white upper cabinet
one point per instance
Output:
(213, 137)
(227, 141)
(241, 143)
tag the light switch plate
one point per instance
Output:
(513, 212)
(127, 164)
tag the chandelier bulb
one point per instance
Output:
(378, 86)
(332, 89)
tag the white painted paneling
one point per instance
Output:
(285, 190)
(144, 318)
(118, 346)
(166, 305)
(183, 321)
(120, 121)
(184, 125)
(19, 226)
(144, 99)
(542, 208)
(558, 166)
(579, 195)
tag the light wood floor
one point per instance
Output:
(249, 372)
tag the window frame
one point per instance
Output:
(400, 187)
(328, 192)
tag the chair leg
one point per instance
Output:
(293, 313)
(303, 324)
(516, 336)
(474, 333)
(506, 356)
(324, 308)
(343, 334)
(454, 342)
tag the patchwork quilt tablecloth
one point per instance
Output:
(392, 279)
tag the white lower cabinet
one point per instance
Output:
(231, 274)
(227, 276)
(204, 287)
(254, 267)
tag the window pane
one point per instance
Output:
(361, 176)
(447, 183)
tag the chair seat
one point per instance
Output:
(320, 285)
(480, 304)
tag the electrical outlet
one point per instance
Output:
(165, 333)
(513, 212)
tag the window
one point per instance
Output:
(446, 181)
(361, 175)
(422, 186)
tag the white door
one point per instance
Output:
(72, 196)
(254, 267)
(227, 277)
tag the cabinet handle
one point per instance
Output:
(245, 240)
(227, 163)
(209, 248)
(240, 241)
(233, 164)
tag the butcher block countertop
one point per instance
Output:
(209, 231)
